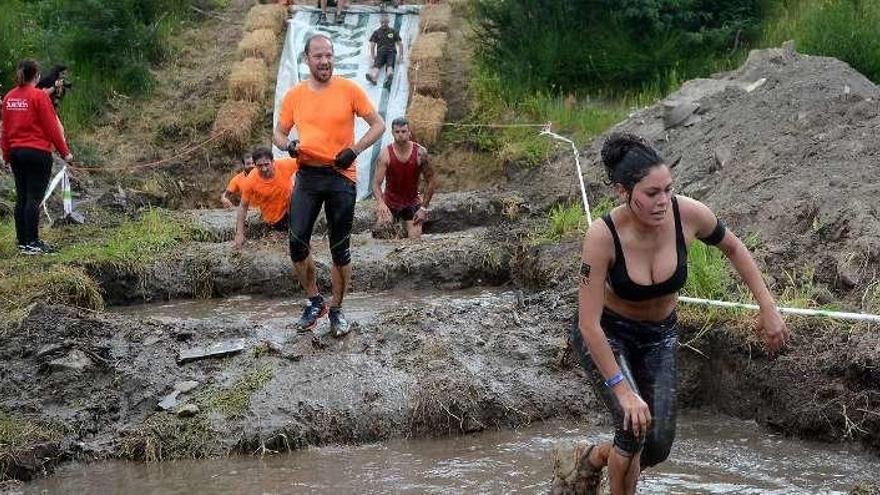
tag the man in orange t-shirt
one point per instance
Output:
(233, 189)
(323, 109)
(268, 188)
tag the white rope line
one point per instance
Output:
(840, 315)
(577, 162)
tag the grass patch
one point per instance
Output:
(236, 400)
(61, 278)
(16, 433)
(844, 29)
(564, 220)
(165, 436)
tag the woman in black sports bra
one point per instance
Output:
(634, 264)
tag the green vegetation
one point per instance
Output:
(16, 432)
(236, 400)
(62, 277)
(109, 45)
(844, 29)
(565, 220)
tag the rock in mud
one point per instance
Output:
(220, 349)
(75, 361)
(188, 410)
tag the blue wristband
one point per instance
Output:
(614, 380)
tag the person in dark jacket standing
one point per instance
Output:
(31, 132)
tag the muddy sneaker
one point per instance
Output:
(322, 19)
(45, 248)
(311, 314)
(572, 471)
(388, 82)
(28, 250)
(339, 326)
(371, 79)
(340, 17)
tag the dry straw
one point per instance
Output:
(261, 43)
(248, 80)
(235, 121)
(426, 58)
(270, 16)
(426, 78)
(426, 116)
(435, 18)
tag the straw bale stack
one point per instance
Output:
(426, 116)
(248, 80)
(271, 16)
(261, 43)
(235, 122)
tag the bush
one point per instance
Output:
(109, 45)
(589, 45)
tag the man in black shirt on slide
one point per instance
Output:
(385, 45)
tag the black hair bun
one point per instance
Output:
(618, 145)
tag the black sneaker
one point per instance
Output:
(322, 19)
(26, 249)
(339, 326)
(311, 314)
(388, 82)
(45, 248)
(340, 17)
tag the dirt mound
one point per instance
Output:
(785, 150)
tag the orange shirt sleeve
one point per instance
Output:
(234, 185)
(287, 115)
(246, 188)
(361, 103)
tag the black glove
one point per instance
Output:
(291, 148)
(345, 158)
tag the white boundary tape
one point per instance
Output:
(840, 315)
(63, 178)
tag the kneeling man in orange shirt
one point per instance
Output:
(268, 188)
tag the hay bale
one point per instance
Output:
(426, 116)
(428, 46)
(235, 121)
(261, 43)
(426, 78)
(271, 16)
(435, 18)
(425, 64)
(248, 80)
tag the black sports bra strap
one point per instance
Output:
(618, 249)
(679, 232)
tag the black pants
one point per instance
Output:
(646, 354)
(31, 169)
(317, 186)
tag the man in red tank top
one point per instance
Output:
(400, 165)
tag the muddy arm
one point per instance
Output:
(239, 223)
(429, 175)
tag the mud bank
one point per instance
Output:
(95, 381)
(455, 260)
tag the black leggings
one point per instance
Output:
(646, 354)
(316, 186)
(31, 169)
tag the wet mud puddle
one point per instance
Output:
(713, 454)
(277, 316)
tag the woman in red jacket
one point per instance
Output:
(31, 132)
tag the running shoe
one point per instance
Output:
(46, 248)
(339, 326)
(388, 82)
(311, 314)
(322, 19)
(340, 17)
(371, 79)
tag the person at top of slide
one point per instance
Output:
(634, 264)
(385, 46)
(323, 110)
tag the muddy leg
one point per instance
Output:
(305, 273)
(623, 473)
(577, 468)
(340, 277)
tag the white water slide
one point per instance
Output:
(351, 42)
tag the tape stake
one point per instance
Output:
(577, 161)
